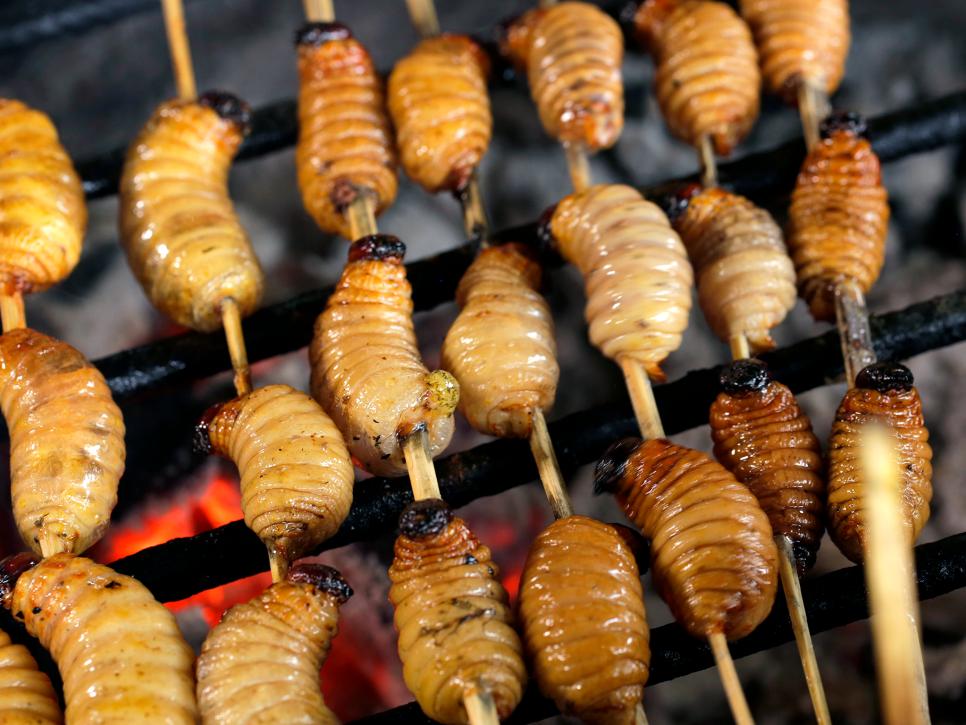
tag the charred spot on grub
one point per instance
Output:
(422, 519)
(229, 107)
(11, 568)
(320, 33)
(846, 121)
(377, 247)
(744, 376)
(611, 466)
(885, 377)
(322, 577)
(676, 201)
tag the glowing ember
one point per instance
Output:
(192, 511)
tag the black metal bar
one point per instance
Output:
(761, 175)
(183, 567)
(287, 326)
(831, 601)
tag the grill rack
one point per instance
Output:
(183, 567)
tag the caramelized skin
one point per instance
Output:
(838, 220)
(66, 442)
(454, 623)
(345, 144)
(712, 555)
(707, 80)
(441, 110)
(501, 346)
(178, 225)
(636, 272)
(800, 42)
(261, 664)
(367, 372)
(573, 53)
(42, 211)
(26, 695)
(901, 412)
(296, 475)
(119, 652)
(746, 282)
(583, 621)
(767, 442)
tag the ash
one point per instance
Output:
(101, 87)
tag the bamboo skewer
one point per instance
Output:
(319, 11)
(740, 350)
(475, 223)
(546, 461)
(890, 578)
(184, 75)
(231, 321)
(855, 334)
(579, 165)
(422, 473)
(12, 312)
(729, 678)
(362, 216)
(423, 14)
(709, 165)
(813, 106)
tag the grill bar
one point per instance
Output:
(831, 601)
(287, 326)
(183, 567)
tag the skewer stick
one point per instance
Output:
(579, 165)
(642, 399)
(709, 165)
(793, 593)
(889, 574)
(852, 320)
(278, 564)
(231, 321)
(422, 474)
(184, 74)
(423, 14)
(639, 717)
(475, 223)
(362, 216)
(319, 11)
(813, 106)
(803, 636)
(546, 460)
(739, 347)
(12, 312)
(480, 708)
(729, 678)
(50, 544)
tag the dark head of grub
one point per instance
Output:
(425, 518)
(743, 377)
(377, 248)
(676, 201)
(11, 568)
(846, 121)
(201, 440)
(317, 33)
(611, 466)
(885, 377)
(229, 107)
(804, 556)
(322, 577)
(545, 239)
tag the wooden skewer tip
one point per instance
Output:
(709, 165)
(177, 32)
(480, 708)
(579, 165)
(231, 321)
(423, 14)
(640, 718)
(361, 214)
(278, 564)
(319, 11)
(51, 544)
(642, 399)
(740, 349)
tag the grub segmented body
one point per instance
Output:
(583, 621)
(26, 695)
(800, 42)
(120, 653)
(345, 144)
(707, 80)
(883, 395)
(839, 216)
(178, 225)
(746, 280)
(42, 211)
(453, 616)
(764, 438)
(713, 558)
(66, 442)
(441, 111)
(261, 663)
(572, 53)
(296, 474)
(367, 372)
(636, 272)
(501, 346)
